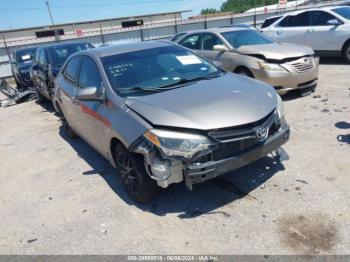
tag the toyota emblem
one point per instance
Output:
(261, 133)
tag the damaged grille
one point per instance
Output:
(303, 64)
(237, 140)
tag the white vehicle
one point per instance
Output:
(326, 30)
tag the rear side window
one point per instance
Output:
(270, 21)
(209, 41)
(72, 69)
(89, 74)
(191, 42)
(320, 18)
(302, 19)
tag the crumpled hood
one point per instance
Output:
(230, 100)
(277, 51)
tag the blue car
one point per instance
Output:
(48, 61)
(22, 60)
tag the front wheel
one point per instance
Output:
(137, 183)
(244, 72)
(66, 127)
(346, 53)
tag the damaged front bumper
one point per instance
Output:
(198, 173)
(168, 171)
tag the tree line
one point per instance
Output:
(238, 6)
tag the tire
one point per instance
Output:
(137, 183)
(18, 84)
(244, 71)
(346, 53)
(40, 99)
(66, 127)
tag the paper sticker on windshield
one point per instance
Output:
(189, 60)
(25, 57)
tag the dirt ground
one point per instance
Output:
(58, 196)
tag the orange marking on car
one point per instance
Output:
(95, 115)
(109, 104)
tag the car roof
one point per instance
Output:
(63, 44)
(125, 48)
(327, 8)
(26, 48)
(220, 29)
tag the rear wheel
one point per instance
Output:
(137, 183)
(346, 53)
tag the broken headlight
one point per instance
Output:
(280, 110)
(177, 144)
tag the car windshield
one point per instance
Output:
(343, 11)
(25, 55)
(155, 69)
(246, 38)
(59, 54)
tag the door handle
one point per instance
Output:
(75, 101)
(279, 32)
(310, 30)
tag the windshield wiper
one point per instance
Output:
(186, 81)
(181, 82)
(139, 89)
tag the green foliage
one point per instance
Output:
(208, 11)
(239, 6)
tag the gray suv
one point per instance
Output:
(162, 115)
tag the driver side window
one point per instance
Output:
(320, 18)
(209, 41)
(89, 74)
(191, 42)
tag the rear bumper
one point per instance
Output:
(198, 173)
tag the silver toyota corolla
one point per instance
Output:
(247, 51)
(162, 115)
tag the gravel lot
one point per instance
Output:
(58, 196)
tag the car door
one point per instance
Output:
(92, 118)
(68, 85)
(321, 36)
(41, 74)
(221, 59)
(293, 29)
(35, 67)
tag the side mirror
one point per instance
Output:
(220, 48)
(90, 93)
(334, 22)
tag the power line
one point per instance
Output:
(89, 5)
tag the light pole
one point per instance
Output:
(49, 10)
